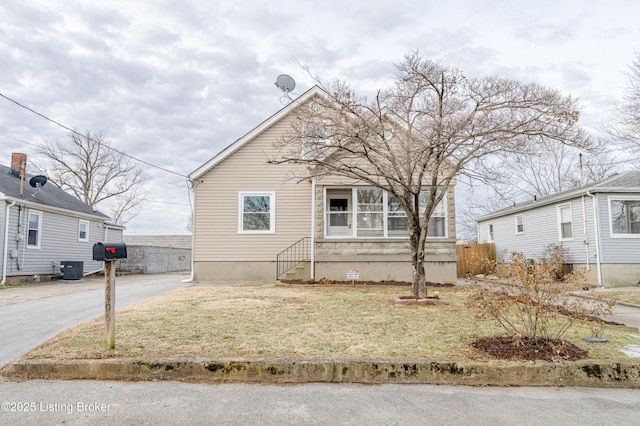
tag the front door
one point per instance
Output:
(339, 212)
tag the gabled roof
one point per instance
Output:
(49, 195)
(628, 182)
(275, 118)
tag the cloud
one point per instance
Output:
(173, 82)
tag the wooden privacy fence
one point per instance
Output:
(475, 259)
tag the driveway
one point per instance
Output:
(33, 314)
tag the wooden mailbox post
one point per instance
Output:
(109, 253)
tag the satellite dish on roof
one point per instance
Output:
(286, 84)
(37, 182)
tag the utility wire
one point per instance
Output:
(91, 139)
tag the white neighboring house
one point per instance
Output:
(42, 227)
(598, 225)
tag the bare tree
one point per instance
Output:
(627, 125)
(87, 167)
(549, 169)
(414, 138)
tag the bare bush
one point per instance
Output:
(535, 302)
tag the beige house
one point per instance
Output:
(252, 222)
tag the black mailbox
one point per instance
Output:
(109, 251)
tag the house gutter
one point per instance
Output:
(6, 243)
(313, 228)
(596, 226)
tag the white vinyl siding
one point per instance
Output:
(34, 229)
(565, 222)
(58, 241)
(542, 230)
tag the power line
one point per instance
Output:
(90, 139)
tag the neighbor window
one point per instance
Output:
(83, 230)
(625, 216)
(34, 229)
(491, 232)
(519, 224)
(256, 212)
(565, 222)
(376, 214)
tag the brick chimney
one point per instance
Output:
(19, 167)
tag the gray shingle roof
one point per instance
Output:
(48, 195)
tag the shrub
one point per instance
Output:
(535, 303)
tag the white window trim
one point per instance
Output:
(40, 215)
(86, 224)
(516, 223)
(620, 198)
(385, 212)
(559, 215)
(490, 230)
(272, 211)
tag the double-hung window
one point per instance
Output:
(370, 212)
(256, 212)
(83, 231)
(375, 214)
(565, 222)
(519, 224)
(625, 216)
(34, 229)
(490, 233)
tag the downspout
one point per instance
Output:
(6, 243)
(193, 240)
(313, 228)
(585, 236)
(596, 226)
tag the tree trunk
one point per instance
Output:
(419, 282)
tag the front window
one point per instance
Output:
(370, 212)
(256, 213)
(376, 214)
(83, 231)
(625, 216)
(34, 229)
(565, 222)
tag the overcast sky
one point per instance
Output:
(172, 82)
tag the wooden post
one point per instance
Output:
(110, 303)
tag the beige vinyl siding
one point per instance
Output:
(216, 236)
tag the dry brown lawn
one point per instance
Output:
(623, 295)
(296, 321)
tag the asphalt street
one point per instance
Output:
(142, 403)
